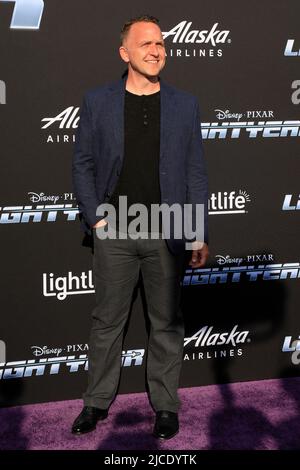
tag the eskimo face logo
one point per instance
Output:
(27, 14)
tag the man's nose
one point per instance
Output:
(153, 50)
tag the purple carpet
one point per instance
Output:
(248, 415)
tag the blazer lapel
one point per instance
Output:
(117, 114)
(167, 115)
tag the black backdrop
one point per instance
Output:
(239, 310)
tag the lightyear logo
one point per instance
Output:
(292, 347)
(27, 14)
(290, 49)
(291, 203)
(36, 213)
(55, 365)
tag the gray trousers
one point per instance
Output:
(116, 267)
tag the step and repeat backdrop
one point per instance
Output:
(242, 312)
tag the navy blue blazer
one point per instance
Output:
(99, 151)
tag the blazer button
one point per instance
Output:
(107, 194)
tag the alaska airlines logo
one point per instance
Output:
(206, 337)
(182, 34)
(27, 14)
(67, 119)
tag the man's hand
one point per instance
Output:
(199, 256)
(101, 223)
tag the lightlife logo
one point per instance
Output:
(234, 129)
(55, 365)
(66, 120)
(27, 14)
(2, 92)
(244, 272)
(293, 347)
(291, 203)
(290, 49)
(63, 286)
(233, 202)
(181, 41)
(35, 213)
(212, 340)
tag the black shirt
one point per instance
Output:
(139, 178)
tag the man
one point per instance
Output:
(138, 138)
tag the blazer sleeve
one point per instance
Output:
(83, 169)
(197, 182)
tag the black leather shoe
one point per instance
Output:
(166, 424)
(88, 419)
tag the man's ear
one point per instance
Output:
(124, 54)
